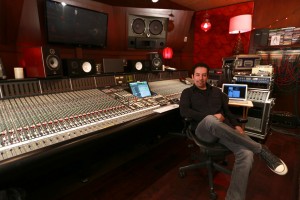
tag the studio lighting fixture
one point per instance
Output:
(206, 25)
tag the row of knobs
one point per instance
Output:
(31, 117)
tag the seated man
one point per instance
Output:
(208, 108)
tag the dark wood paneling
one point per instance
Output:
(267, 13)
(29, 29)
(29, 32)
(165, 4)
(10, 12)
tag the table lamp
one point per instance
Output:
(237, 25)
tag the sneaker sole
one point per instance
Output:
(284, 172)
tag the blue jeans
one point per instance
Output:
(210, 129)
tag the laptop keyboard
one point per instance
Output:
(237, 102)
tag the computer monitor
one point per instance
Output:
(140, 89)
(235, 91)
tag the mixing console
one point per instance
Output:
(170, 89)
(30, 123)
(34, 122)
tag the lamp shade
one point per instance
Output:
(240, 24)
(167, 53)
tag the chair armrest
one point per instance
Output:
(242, 120)
(186, 125)
(187, 119)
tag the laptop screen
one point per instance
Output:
(235, 91)
(140, 89)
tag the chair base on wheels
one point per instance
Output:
(211, 166)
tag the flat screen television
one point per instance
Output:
(71, 25)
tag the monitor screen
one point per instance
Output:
(67, 24)
(235, 91)
(140, 89)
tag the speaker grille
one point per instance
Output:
(156, 27)
(156, 62)
(138, 26)
(86, 67)
(52, 62)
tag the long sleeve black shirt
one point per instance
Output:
(197, 104)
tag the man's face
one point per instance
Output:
(200, 77)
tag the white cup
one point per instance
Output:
(19, 72)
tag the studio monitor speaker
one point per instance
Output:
(138, 65)
(156, 62)
(42, 62)
(79, 67)
(147, 32)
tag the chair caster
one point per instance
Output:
(182, 174)
(213, 195)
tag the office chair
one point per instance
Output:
(212, 153)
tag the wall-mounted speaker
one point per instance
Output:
(156, 62)
(147, 32)
(42, 62)
(79, 67)
(138, 65)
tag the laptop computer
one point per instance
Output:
(140, 89)
(237, 93)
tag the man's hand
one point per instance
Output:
(239, 129)
(220, 117)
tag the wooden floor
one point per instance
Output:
(154, 175)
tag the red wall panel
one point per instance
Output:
(211, 46)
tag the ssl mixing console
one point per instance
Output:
(39, 114)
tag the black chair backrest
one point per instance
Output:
(215, 146)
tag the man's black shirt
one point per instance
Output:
(197, 104)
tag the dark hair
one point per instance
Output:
(200, 65)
